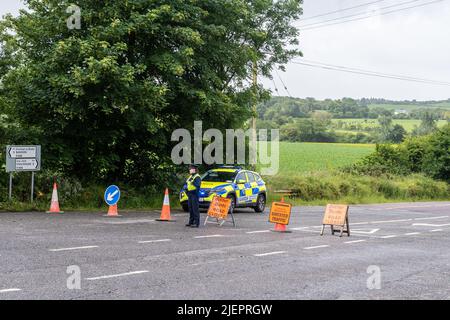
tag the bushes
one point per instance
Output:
(429, 155)
(436, 161)
(73, 195)
(337, 186)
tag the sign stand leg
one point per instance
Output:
(323, 229)
(232, 218)
(348, 227)
(10, 186)
(32, 185)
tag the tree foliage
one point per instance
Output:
(104, 99)
(429, 155)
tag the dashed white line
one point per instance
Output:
(153, 241)
(388, 237)
(431, 218)
(258, 231)
(117, 275)
(316, 247)
(431, 225)
(10, 290)
(209, 236)
(73, 248)
(355, 241)
(268, 253)
(424, 206)
(389, 221)
(436, 230)
(412, 233)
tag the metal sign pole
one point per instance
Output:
(20, 159)
(32, 185)
(10, 186)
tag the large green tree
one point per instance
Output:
(104, 99)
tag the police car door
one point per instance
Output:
(241, 183)
(253, 190)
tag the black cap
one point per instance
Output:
(193, 166)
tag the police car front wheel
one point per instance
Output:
(260, 203)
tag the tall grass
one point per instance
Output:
(335, 186)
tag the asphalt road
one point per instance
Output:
(395, 251)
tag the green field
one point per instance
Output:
(296, 157)
(408, 124)
(409, 107)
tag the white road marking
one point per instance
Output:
(152, 241)
(269, 253)
(425, 206)
(316, 247)
(436, 230)
(390, 221)
(303, 229)
(210, 236)
(388, 237)
(370, 231)
(355, 241)
(259, 231)
(73, 248)
(117, 275)
(10, 290)
(411, 233)
(431, 218)
(431, 225)
(358, 223)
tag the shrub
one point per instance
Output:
(429, 155)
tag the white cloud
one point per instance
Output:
(413, 42)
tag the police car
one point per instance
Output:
(245, 188)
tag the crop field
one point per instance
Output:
(361, 124)
(409, 107)
(298, 157)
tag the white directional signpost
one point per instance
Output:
(23, 158)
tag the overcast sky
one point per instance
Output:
(414, 42)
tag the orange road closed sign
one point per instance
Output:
(280, 213)
(219, 208)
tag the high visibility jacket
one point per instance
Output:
(190, 182)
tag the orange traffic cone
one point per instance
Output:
(281, 227)
(54, 204)
(165, 212)
(112, 211)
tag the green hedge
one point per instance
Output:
(338, 186)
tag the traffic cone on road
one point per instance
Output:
(112, 211)
(281, 227)
(54, 204)
(165, 212)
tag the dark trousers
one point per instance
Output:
(194, 213)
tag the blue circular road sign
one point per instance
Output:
(112, 195)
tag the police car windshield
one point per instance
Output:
(219, 176)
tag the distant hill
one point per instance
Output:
(282, 108)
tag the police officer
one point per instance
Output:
(193, 187)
